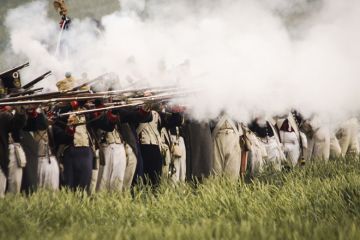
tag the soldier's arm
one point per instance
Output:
(36, 121)
(170, 120)
(135, 116)
(104, 121)
(63, 135)
(18, 120)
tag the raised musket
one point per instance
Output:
(88, 83)
(26, 92)
(14, 69)
(36, 80)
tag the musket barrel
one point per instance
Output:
(134, 104)
(15, 68)
(29, 91)
(36, 80)
(43, 95)
(48, 101)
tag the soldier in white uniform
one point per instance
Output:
(48, 168)
(294, 142)
(268, 135)
(113, 173)
(256, 152)
(320, 139)
(178, 155)
(227, 152)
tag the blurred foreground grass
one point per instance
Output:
(316, 202)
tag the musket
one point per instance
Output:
(130, 102)
(88, 83)
(164, 96)
(117, 106)
(120, 95)
(42, 95)
(36, 80)
(49, 101)
(14, 69)
(129, 90)
(26, 92)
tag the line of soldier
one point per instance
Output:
(152, 141)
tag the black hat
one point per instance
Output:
(11, 80)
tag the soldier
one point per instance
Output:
(152, 148)
(12, 82)
(173, 147)
(125, 126)
(112, 151)
(178, 155)
(112, 131)
(73, 142)
(322, 142)
(36, 122)
(11, 120)
(199, 148)
(267, 133)
(48, 175)
(256, 152)
(294, 142)
(227, 152)
(23, 141)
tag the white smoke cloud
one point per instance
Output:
(243, 54)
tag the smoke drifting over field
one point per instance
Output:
(248, 56)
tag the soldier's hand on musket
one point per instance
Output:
(146, 107)
(72, 120)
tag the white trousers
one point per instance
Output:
(348, 137)
(291, 147)
(275, 156)
(319, 145)
(257, 154)
(95, 173)
(48, 173)
(227, 154)
(179, 162)
(113, 172)
(15, 172)
(131, 162)
(2, 183)
(335, 149)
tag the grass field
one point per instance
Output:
(315, 202)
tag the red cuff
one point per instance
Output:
(112, 117)
(70, 130)
(32, 113)
(143, 112)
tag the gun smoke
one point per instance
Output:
(247, 57)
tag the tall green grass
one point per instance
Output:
(319, 201)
